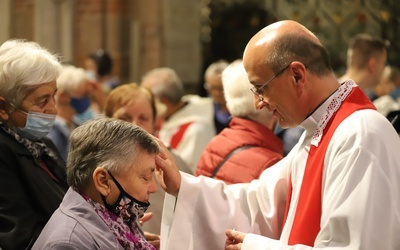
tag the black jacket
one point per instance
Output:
(28, 195)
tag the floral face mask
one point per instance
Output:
(126, 207)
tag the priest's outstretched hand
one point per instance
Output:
(167, 172)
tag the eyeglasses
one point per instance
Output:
(257, 91)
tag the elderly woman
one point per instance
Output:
(137, 105)
(32, 174)
(110, 172)
(74, 103)
(248, 146)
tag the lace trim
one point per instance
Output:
(336, 102)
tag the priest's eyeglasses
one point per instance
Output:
(258, 91)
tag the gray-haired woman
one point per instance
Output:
(110, 172)
(32, 174)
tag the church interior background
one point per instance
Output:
(187, 35)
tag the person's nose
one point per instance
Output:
(134, 121)
(52, 107)
(153, 186)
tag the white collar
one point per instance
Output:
(316, 122)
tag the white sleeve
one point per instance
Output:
(360, 190)
(206, 207)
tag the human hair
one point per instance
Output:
(216, 68)
(71, 78)
(124, 94)
(239, 98)
(363, 47)
(103, 62)
(292, 47)
(24, 65)
(166, 84)
(106, 142)
(392, 73)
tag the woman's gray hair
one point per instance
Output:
(239, 98)
(105, 142)
(25, 65)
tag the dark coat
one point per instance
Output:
(28, 195)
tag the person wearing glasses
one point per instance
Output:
(339, 187)
(215, 90)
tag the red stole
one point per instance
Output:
(177, 137)
(306, 224)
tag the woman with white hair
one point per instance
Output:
(241, 152)
(73, 103)
(32, 173)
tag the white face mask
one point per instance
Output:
(37, 126)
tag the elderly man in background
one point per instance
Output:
(187, 124)
(215, 90)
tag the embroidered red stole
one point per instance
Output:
(177, 137)
(306, 224)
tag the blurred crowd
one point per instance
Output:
(87, 161)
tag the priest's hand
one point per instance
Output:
(234, 239)
(167, 172)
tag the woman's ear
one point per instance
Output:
(101, 181)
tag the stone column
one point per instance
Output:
(5, 20)
(181, 40)
(54, 25)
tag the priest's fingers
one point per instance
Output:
(164, 153)
(153, 239)
(160, 178)
(234, 239)
(147, 216)
(170, 175)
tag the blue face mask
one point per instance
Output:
(37, 126)
(85, 116)
(80, 104)
(396, 93)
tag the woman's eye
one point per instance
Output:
(143, 118)
(42, 103)
(124, 118)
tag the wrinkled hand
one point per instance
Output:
(146, 217)
(234, 239)
(153, 239)
(167, 172)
